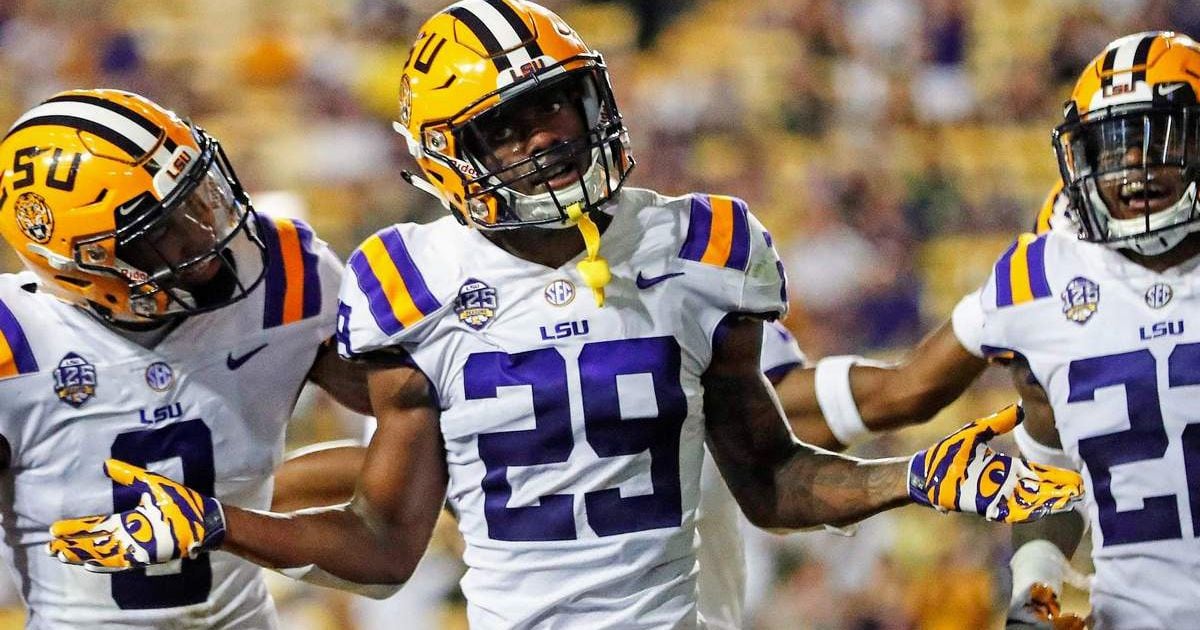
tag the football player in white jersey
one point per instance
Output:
(557, 392)
(161, 321)
(323, 474)
(1106, 369)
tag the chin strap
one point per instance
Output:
(594, 268)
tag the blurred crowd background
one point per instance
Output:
(894, 147)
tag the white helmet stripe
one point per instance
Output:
(504, 33)
(115, 122)
(1131, 52)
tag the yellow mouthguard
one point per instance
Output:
(594, 268)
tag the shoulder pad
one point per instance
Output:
(395, 289)
(718, 232)
(16, 356)
(292, 285)
(1020, 274)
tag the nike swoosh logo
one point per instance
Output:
(645, 283)
(1165, 89)
(235, 363)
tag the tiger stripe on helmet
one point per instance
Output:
(500, 30)
(120, 126)
(1131, 54)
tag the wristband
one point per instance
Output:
(1036, 561)
(832, 382)
(1035, 451)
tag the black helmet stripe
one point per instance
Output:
(112, 106)
(1132, 52)
(84, 124)
(519, 26)
(485, 36)
(1140, 56)
(499, 29)
(108, 123)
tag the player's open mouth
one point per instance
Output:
(557, 176)
(1141, 194)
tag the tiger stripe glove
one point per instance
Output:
(962, 474)
(170, 522)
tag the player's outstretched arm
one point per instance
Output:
(782, 483)
(856, 396)
(380, 536)
(377, 538)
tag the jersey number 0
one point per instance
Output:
(191, 442)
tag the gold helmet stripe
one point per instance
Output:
(500, 30)
(114, 126)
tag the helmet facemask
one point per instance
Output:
(583, 166)
(177, 255)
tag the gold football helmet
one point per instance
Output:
(1129, 149)
(121, 207)
(482, 75)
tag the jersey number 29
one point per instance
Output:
(552, 439)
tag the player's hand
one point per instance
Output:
(961, 473)
(170, 522)
(1038, 609)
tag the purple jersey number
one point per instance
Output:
(1145, 439)
(191, 442)
(609, 435)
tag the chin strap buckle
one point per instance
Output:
(594, 268)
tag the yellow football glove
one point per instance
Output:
(961, 473)
(1040, 610)
(170, 522)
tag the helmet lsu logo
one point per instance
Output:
(1080, 299)
(476, 303)
(75, 380)
(34, 217)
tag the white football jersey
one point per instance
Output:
(207, 406)
(1109, 342)
(574, 434)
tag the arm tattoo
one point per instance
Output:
(779, 481)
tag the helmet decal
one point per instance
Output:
(34, 217)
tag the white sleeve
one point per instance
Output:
(385, 299)
(780, 352)
(731, 263)
(967, 322)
